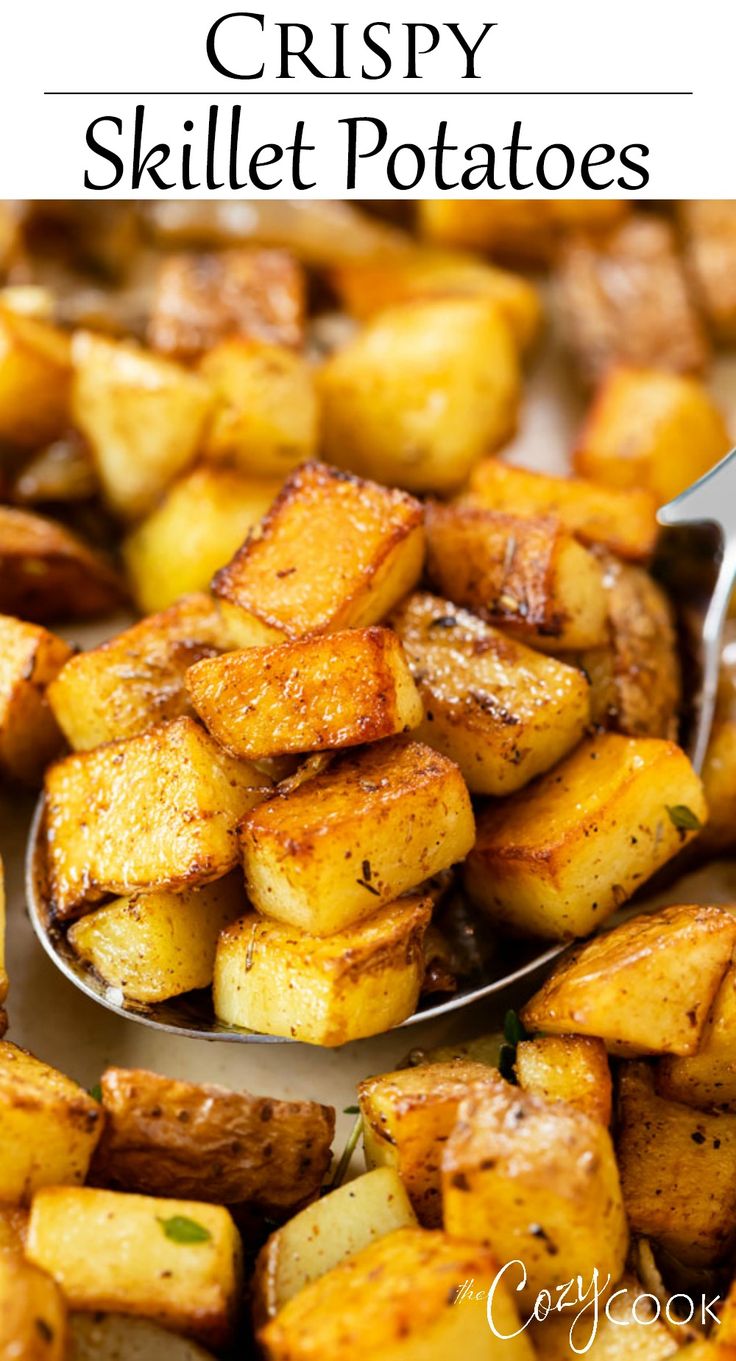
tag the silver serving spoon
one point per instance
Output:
(711, 500)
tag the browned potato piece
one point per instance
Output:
(719, 769)
(9, 234)
(155, 811)
(13, 1225)
(628, 1328)
(200, 522)
(30, 657)
(61, 471)
(525, 574)
(200, 300)
(404, 1293)
(359, 982)
(515, 230)
(311, 694)
(373, 826)
(560, 856)
(708, 227)
(655, 430)
(127, 685)
(177, 1262)
(621, 520)
(678, 956)
(535, 1181)
(32, 1313)
(572, 1068)
(168, 1138)
(707, 1077)
(503, 712)
(408, 1117)
(624, 300)
(49, 1126)
(421, 393)
(678, 1170)
(35, 380)
(370, 286)
(267, 414)
(333, 552)
(47, 573)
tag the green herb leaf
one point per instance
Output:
(96, 1092)
(513, 1030)
(351, 1110)
(683, 818)
(180, 1229)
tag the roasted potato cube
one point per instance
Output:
(169, 1138)
(324, 1234)
(404, 1292)
(559, 857)
(3, 972)
(708, 227)
(311, 694)
(155, 811)
(678, 1170)
(719, 769)
(503, 712)
(628, 1328)
(266, 418)
(622, 520)
(408, 1117)
(176, 1262)
(572, 1068)
(112, 1337)
(48, 573)
(370, 286)
(525, 574)
(200, 300)
(333, 552)
(125, 686)
(515, 230)
(605, 988)
(707, 1077)
(201, 521)
(421, 393)
(481, 1049)
(33, 1324)
(158, 945)
(35, 380)
(537, 1181)
(660, 431)
(624, 300)
(373, 826)
(59, 472)
(13, 1226)
(143, 417)
(362, 981)
(48, 1126)
(30, 657)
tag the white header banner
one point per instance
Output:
(169, 98)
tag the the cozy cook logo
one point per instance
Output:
(585, 1303)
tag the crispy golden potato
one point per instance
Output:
(359, 982)
(35, 380)
(30, 657)
(33, 1323)
(403, 1292)
(326, 1233)
(408, 1117)
(708, 227)
(118, 1337)
(719, 768)
(374, 826)
(678, 1170)
(48, 1126)
(176, 1262)
(3, 971)
(525, 574)
(559, 857)
(370, 286)
(503, 712)
(157, 811)
(621, 520)
(200, 522)
(13, 1226)
(48, 573)
(481, 1049)
(61, 472)
(143, 417)
(646, 987)
(266, 418)
(708, 1076)
(125, 686)
(623, 299)
(310, 694)
(628, 1328)
(200, 300)
(572, 1068)
(158, 945)
(535, 1181)
(517, 230)
(202, 1142)
(333, 552)
(421, 393)
(655, 430)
